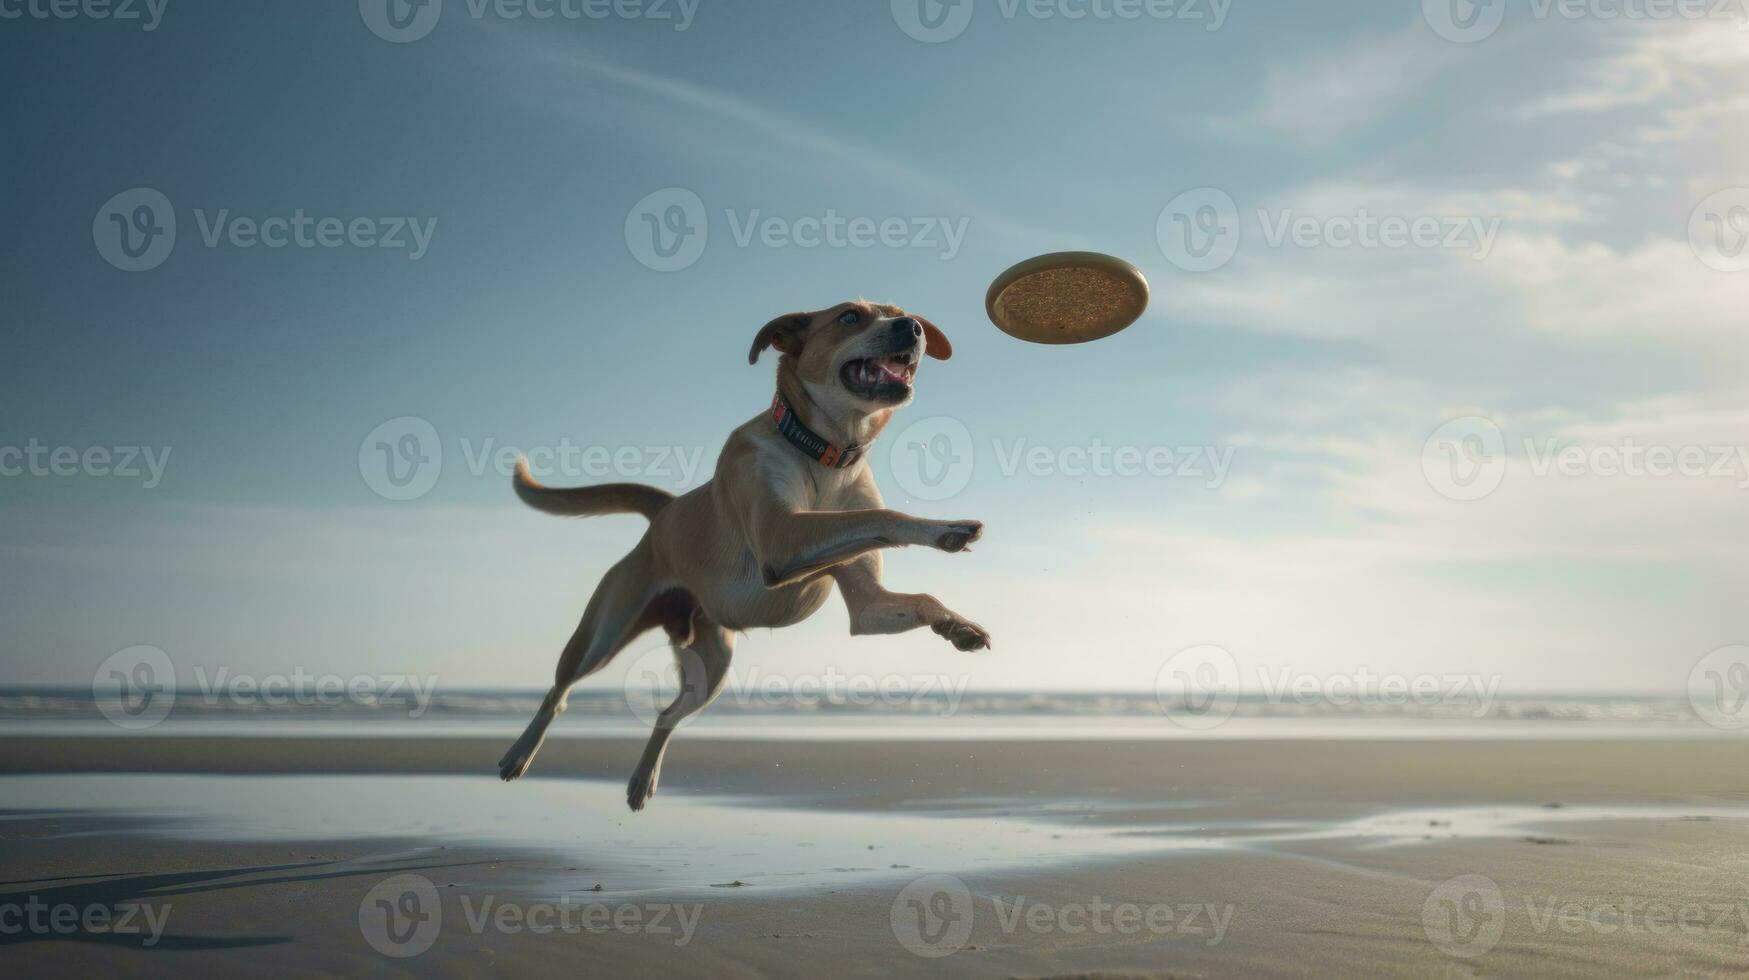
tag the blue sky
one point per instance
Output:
(1585, 148)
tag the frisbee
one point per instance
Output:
(1067, 298)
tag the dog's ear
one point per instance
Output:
(784, 333)
(936, 344)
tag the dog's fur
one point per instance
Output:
(762, 543)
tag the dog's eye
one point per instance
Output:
(850, 318)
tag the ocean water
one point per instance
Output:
(852, 714)
(581, 834)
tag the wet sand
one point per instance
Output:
(1203, 858)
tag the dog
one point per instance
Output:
(791, 510)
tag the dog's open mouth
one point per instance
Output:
(884, 378)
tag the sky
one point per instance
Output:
(1443, 372)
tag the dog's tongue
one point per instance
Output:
(891, 369)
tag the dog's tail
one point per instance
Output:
(607, 498)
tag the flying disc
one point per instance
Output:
(1067, 298)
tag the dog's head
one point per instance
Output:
(858, 356)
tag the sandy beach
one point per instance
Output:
(1038, 858)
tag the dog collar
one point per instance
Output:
(811, 443)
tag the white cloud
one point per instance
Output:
(1649, 65)
(1583, 582)
(1659, 289)
(1352, 85)
(1381, 294)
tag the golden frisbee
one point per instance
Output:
(1067, 298)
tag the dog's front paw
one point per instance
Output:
(514, 763)
(963, 635)
(639, 790)
(957, 535)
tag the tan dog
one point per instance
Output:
(791, 508)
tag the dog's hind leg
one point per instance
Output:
(704, 665)
(615, 616)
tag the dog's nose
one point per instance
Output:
(907, 328)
